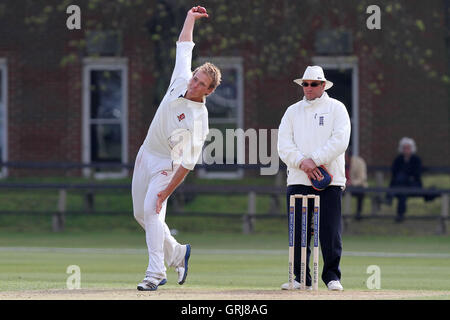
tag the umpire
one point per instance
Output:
(315, 132)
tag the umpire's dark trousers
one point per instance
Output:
(330, 230)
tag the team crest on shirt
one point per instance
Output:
(181, 117)
(321, 120)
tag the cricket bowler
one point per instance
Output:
(170, 150)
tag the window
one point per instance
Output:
(343, 72)
(105, 109)
(225, 110)
(3, 116)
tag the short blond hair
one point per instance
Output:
(213, 72)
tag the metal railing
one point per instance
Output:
(248, 218)
(115, 165)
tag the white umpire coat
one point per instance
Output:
(318, 129)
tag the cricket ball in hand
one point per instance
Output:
(201, 10)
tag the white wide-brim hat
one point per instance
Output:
(314, 73)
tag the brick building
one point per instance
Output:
(84, 96)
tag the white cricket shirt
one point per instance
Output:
(180, 126)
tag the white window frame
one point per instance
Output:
(4, 88)
(237, 63)
(112, 64)
(346, 62)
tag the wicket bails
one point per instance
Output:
(304, 240)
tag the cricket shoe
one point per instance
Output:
(335, 285)
(285, 286)
(150, 284)
(182, 269)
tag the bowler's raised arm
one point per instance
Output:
(193, 14)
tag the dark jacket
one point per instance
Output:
(406, 174)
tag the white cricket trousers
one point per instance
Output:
(152, 175)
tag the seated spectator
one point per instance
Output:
(406, 172)
(356, 174)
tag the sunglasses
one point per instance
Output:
(314, 84)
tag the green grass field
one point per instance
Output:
(110, 249)
(38, 261)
